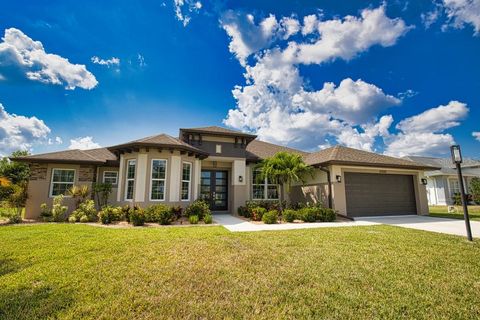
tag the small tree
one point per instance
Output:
(475, 189)
(16, 172)
(80, 194)
(101, 193)
(284, 168)
(16, 201)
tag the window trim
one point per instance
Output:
(164, 179)
(129, 179)
(110, 171)
(189, 181)
(265, 185)
(452, 181)
(50, 193)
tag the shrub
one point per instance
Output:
(208, 219)
(308, 214)
(11, 214)
(159, 213)
(58, 209)
(177, 212)
(137, 216)
(45, 212)
(329, 215)
(109, 214)
(270, 217)
(257, 213)
(197, 208)
(457, 199)
(193, 219)
(101, 192)
(126, 212)
(242, 211)
(85, 209)
(84, 219)
(289, 215)
(475, 189)
(72, 219)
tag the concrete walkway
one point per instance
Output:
(433, 224)
(440, 225)
(236, 224)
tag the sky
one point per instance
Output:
(392, 77)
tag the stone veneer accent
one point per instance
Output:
(86, 173)
(38, 171)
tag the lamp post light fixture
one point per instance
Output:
(339, 178)
(457, 160)
(424, 181)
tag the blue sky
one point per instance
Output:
(394, 77)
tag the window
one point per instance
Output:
(130, 181)
(218, 148)
(454, 187)
(186, 178)
(263, 190)
(62, 181)
(157, 183)
(110, 177)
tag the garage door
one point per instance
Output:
(370, 194)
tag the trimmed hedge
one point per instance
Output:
(270, 217)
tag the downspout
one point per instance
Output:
(329, 181)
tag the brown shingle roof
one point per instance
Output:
(160, 140)
(345, 155)
(98, 156)
(218, 130)
(260, 150)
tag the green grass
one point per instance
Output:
(442, 212)
(81, 272)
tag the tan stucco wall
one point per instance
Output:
(313, 190)
(338, 189)
(113, 196)
(40, 183)
(144, 168)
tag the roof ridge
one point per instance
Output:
(88, 155)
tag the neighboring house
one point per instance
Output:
(217, 165)
(443, 183)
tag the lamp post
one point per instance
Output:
(457, 159)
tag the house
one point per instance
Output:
(442, 184)
(217, 165)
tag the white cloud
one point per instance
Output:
(141, 60)
(432, 16)
(423, 134)
(184, 8)
(275, 102)
(420, 144)
(310, 24)
(352, 137)
(436, 119)
(461, 12)
(347, 37)
(106, 62)
(246, 36)
(58, 140)
(20, 132)
(83, 143)
(476, 135)
(22, 57)
(289, 27)
(409, 93)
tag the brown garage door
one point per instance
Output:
(370, 194)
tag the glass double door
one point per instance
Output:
(214, 189)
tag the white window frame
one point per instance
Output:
(188, 181)
(157, 179)
(51, 181)
(265, 185)
(127, 179)
(116, 176)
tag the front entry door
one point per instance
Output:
(214, 189)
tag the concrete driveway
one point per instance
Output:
(440, 225)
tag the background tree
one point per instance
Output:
(16, 172)
(283, 169)
(475, 189)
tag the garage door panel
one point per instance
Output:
(369, 194)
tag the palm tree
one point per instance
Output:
(283, 169)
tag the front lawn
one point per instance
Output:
(442, 212)
(72, 271)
